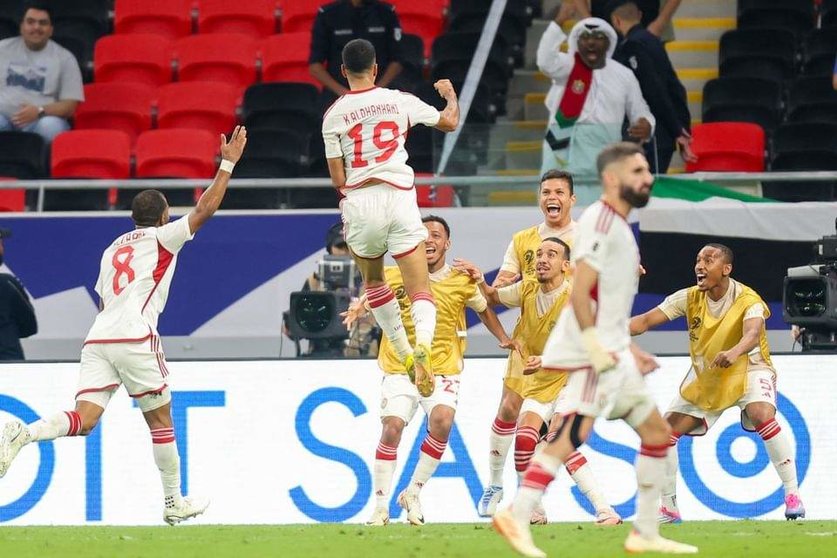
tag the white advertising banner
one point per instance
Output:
(294, 442)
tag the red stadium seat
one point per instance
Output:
(434, 195)
(121, 106)
(12, 200)
(421, 17)
(298, 15)
(167, 18)
(227, 58)
(177, 153)
(140, 58)
(204, 105)
(285, 58)
(727, 146)
(91, 154)
(256, 18)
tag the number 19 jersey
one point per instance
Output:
(134, 279)
(368, 128)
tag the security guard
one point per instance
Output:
(17, 317)
(340, 22)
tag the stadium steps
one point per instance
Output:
(693, 54)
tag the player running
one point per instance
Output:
(123, 346)
(731, 367)
(453, 292)
(592, 342)
(364, 133)
(540, 304)
(556, 200)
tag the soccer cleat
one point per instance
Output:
(793, 507)
(15, 435)
(669, 515)
(425, 382)
(380, 517)
(608, 516)
(538, 516)
(635, 544)
(517, 535)
(410, 366)
(491, 498)
(189, 507)
(409, 502)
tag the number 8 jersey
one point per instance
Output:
(368, 128)
(134, 279)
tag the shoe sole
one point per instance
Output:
(174, 520)
(424, 380)
(497, 524)
(610, 521)
(402, 503)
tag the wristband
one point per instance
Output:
(227, 166)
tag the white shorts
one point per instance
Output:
(380, 219)
(140, 366)
(543, 410)
(400, 398)
(619, 393)
(761, 388)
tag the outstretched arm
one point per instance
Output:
(651, 319)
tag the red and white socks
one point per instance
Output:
(430, 455)
(385, 461)
(499, 442)
(669, 493)
(525, 441)
(650, 472)
(423, 311)
(65, 423)
(168, 462)
(387, 313)
(781, 454)
(583, 478)
(537, 477)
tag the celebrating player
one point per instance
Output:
(123, 346)
(731, 367)
(592, 342)
(364, 133)
(452, 291)
(556, 200)
(540, 304)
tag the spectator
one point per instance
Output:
(42, 81)
(590, 96)
(643, 53)
(17, 317)
(656, 14)
(340, 22)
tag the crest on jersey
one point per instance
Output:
(397, 33)
(578, 87)
(632, 61)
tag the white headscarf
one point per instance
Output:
(592, 24)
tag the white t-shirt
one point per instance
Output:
(134, 279)
(566, 234)
(368, 128)
(604, 241)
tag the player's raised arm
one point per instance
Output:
(449, 117)
(211, 199)
(649, 320)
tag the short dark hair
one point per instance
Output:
(41, 5)
(557, 240)
(725, 250)
(334, 237)
(147, 208)
(616, 152)
(627, 9)
(437, 219)
(358, 56)
(558, 174)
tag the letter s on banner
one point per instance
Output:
(332, 453)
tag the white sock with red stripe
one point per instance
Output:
(385, 461)
(781, 455)
(168, 462)
(387, 313)
(583, 478)
(650, 474)
(669, 495)
(423, 310)
(499, 442)
(429, 457)
(65, 423)
(541, 472)
(525, 442)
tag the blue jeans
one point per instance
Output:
(47, 126)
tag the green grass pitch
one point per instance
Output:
(722, 539)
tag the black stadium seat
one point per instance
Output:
(828, 13)
(282, 106)
(796, 16)
(808, 146)
(23, 155)
(742, 100)
(812, 99)
(818, 49)
(769, 54)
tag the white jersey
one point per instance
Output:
(134, 279)
(605, 242)
(368, 128)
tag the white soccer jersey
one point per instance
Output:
(605, 242)
(368, 128)
(134, 279)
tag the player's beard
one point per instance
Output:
(635, 199)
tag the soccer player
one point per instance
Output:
(453, 292)
(731, 367)
(540, 305)
(556, 200)
(592, 342)
(364, 133)
(123, 346)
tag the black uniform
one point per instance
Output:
(646, 57)
(17, 317)
(340, 22)
(650, 10)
